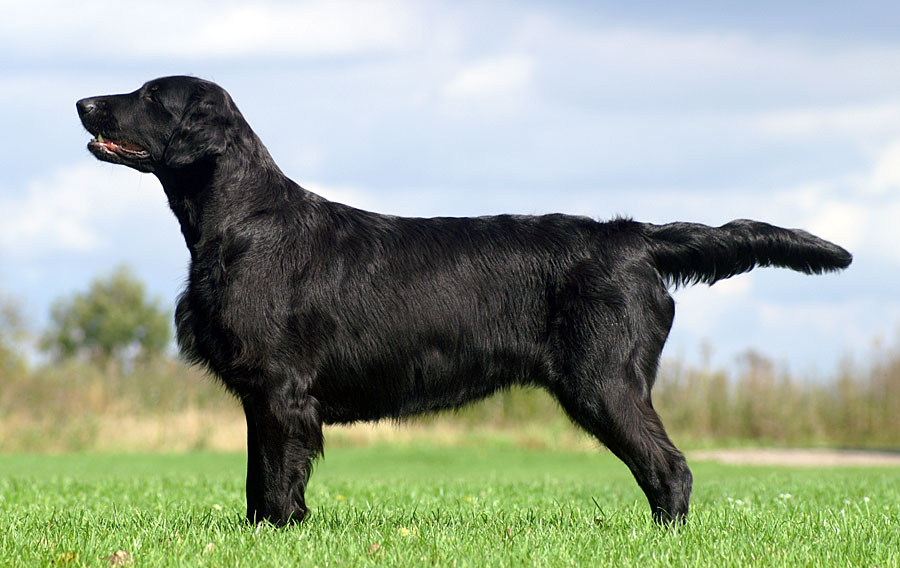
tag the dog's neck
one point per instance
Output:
(227, 187)
(188, 191)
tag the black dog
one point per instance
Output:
(313, 312)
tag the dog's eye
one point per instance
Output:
(151, 94)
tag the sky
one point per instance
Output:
(786, 112)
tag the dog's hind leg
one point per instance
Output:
(609, 366)
(284, 437)
(628, 425)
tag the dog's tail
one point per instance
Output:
(687, 253)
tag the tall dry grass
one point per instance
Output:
(857, 406)
(164, 405)
(77, 406)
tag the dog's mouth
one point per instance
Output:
(104, 148)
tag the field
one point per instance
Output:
(410, 505)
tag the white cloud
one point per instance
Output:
(711, 69)
(859, 211)
(309, 28)
(840, 221)
(826, 318)
(844, 120)
(667, 50)
(205, 28)
(67, 210)
(700, 309)
(352, 196)
(498, 76)
(413, 203)
(848, 326)
(886, 176)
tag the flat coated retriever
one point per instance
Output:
(313, 312)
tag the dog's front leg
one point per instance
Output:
(255, 511)
(284, 434)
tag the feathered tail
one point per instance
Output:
(687, 253)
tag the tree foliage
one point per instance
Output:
(12, 333)
(112, 320)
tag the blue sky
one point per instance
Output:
(784, 112)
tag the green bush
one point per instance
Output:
(112, 320)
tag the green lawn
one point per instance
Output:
(408, 506)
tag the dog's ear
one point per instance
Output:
(203, 131)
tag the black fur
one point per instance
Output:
(313, 312)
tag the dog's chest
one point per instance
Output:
(230, 311)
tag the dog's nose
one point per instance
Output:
(87, 106)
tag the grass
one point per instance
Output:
(413, 505)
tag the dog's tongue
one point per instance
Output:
(111, 145)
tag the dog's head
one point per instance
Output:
(167, 124)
